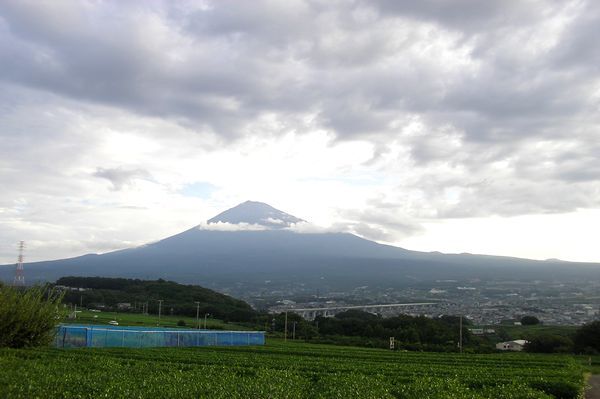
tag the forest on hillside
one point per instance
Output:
(178, 299)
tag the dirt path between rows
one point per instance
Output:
(593, 391)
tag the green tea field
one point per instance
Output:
(283, 370)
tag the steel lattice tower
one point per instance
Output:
(19, 275)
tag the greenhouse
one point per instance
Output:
(102, 336)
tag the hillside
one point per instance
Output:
(177, 299)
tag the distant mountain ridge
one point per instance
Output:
(276, 257)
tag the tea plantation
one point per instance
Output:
(283, 370)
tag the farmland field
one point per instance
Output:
(283, 370)
(138, 319)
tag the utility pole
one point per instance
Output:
(160, 301)
(285, 329)
(205, 315)
(197, 315)
(294, 331)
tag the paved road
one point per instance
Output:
(594, 387)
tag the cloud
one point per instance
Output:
(488, 70)
(220, 226)
(376, 116)
(381, 221)
(120, 177)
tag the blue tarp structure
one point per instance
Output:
(99, 336)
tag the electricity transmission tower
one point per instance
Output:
(19, 275)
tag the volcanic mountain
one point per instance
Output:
(256, 213)
(275, 255)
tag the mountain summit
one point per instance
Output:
(252, 212)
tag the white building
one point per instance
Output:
(516, 345)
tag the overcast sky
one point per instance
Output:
(457, 126)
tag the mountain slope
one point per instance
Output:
(281, 256)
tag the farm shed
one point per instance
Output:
(516, 345)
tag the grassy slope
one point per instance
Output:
(281, 370)
(137, 319)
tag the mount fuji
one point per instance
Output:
(262, 246)
(256, 213)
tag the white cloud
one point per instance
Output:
(220, 226)
(387, 119)
(568, 236)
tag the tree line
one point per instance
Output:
(177, 298)
(356, 327)
(586, 339)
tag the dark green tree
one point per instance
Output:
(549, 343)
(587, 338)
(357, 314)
(27, 316)
(529, 320)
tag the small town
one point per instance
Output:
(483, 303)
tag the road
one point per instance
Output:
(594, 387)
